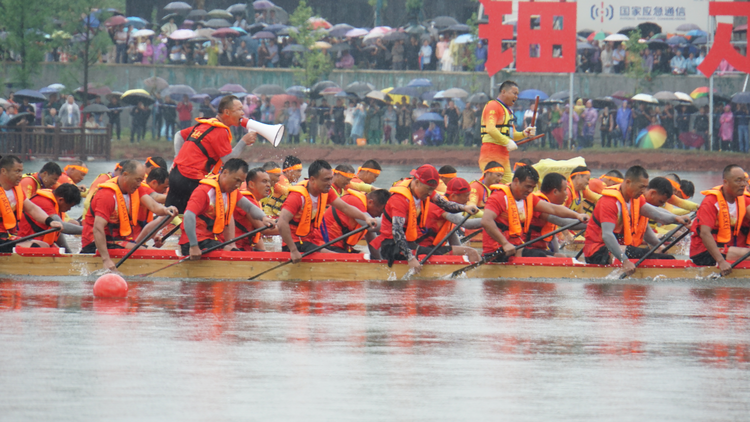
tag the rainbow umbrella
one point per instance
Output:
(701, 92)
(652, 137)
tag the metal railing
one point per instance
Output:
(53, 143)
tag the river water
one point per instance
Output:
(564, 350)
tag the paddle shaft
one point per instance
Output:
(491, 257)
(447, 236)
(744, 257)
(653, 249)
(30, 237)
(171, 232)
(316, 249)
(574, 237)
(533, 138)
(536, 110)
(470, 236)
(211, 249)
(676, 241)
(167, 219)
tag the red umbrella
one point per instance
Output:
(692, 140)
(225, 32)
(621, 95)
(115, 21)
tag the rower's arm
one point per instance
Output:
(399, 237)
(659, 214)
(68, 227)
(34, 211)
(471, 224)
(490, 228)
(349, 210)
(229, 233)
(362, 187)
(683, 203)
(559, 211)
(236, 151)
(251, 209)
(149, 228)
(155, 207)
(708, 241)
(650, 237)
(447, 205)
(608, 236)
(178, 142)
(453, 239)
(100, 238)
(159, 197)
(284, 230)
(188, 224)
(559, 221)
(63, 243)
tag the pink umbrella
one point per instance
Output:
(356, 32)
(182, 34)
(225, 32)
(692, 140)
(115, 21)
(331, 90)
(232, 88)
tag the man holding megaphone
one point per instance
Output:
(201, 149)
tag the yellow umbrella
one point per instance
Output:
(322, 45)
(395, 97)
(134, 96)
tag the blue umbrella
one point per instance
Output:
(31, 95)
(420, 83)
(137, 22)
(47, 90)
(430, 117)
(702, 40)
(677, 40)
(696, 33)
(531, 94)
(405, 90)
(274, 28)
(429, 95)
(238, 29)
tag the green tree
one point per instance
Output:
(634, 61)
(25, 27)
(315, 62)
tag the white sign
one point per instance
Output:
(613, 15)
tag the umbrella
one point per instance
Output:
(269, 90)
(204, 32)
(196, 14)
(238, 29)
(166, 18)
(560, 96)
(316, 22)
(199, 98)
(115, 21)
(114, 94)
(218, 23)
(377, 95)
(687, 27)
(298, 91)
(359, 87)
(321, 45)
(135, 96)
(444, 21)
(320, 86)
(57, 87)
(620, 95)
(340, 30)
(616, 37)
(459, 27)
(143, 33)
(657, 43)
(531, 94)
(177, 91)
(701, 91)
(464, 39)
(21, 119)
(405, 90)
(212, 92)
(415, 30)
(597, 36)
(652, 137)
(263, 5)
(237, 9)
(649, 27)
(31, 95)
(455, 93)
(584, 46)
(602, 102)
(155, 83)
(275, 28)
(264, 35)
(692, 140)
(683, 97)
(696, 33)
(331, 90)
(666, 96)
(48, 91)
(700, 41)
(4, 103)
(645, 98)
(296, 48)
(232, 89)
(182, 34)
(430, 117)
(677, 40)
(225, 32)
(95, 108)
(357, 32)
(342, 46)
(220, 14)
(740, 28)
(660, 36)
(420, 83)
(394, 36)
(438, 95)
(178, 6)
(478, 98)
(627, 30)
(138, 23)
(741, 98)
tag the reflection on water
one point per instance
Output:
(446, 350)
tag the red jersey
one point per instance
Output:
(203, 204)
(191, 160)
(335, 219)
(295, 203)
(243, 224)
(104, 204)
(498, 203)
(607, 210)
(398, 206)
(25, 227)
(707, 215)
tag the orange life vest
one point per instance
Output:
(150, 215)
(412, 225)
(50, 238)
(11, 219)
(723, 219)
(214, 122)
(223, 215)
(514, 218)
(126, 221)
(444, 230)
(634, 225)
(255, 239)
(354, 239)
(548, 227)
(306, 220)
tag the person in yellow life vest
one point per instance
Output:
(103, 177)
(73, 174)
(46, 178)
(114, 211)
(55, 204)
(13, 204)
(406, 214)
(342, 176)
(498, 130)
(335, 224)
(678, 203)
(303, 211)
(512, 211)
(274, 174)
(480, 189)
(580, 198)
(447, 173)
(717, 235)
(366, 176)
(201, 150)
(257, 185)
(209, 215)
(155, 163)
(619, 223)
(290, 174)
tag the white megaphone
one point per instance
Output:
(273, 133)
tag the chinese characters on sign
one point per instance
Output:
(722, 48)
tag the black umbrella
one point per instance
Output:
(237, 8)
(649, 27)
(31, 95)
(604, 102)
(340, 30)
(360, 87)
(135, 96)
(197, 14)
(444, 21)
(178, 6)
(460, 27)
(559, 96)
(177, 91)
(741, 98)
(294, 48)
(405, 90)
(18, 119)
(394, 36)
(478, 98)
(584, 46)
(627, 30)
(174, 16)
(95, 108)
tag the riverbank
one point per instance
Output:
(596, 158)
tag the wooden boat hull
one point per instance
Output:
(345, 267)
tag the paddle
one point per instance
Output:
(494, 255)
(653, 249)
(171, 232)
(536, 109)
(433, 250)
(676, 241)
(167, 219)
(316, 249)
(529, 139)
(211, 249)
(574, 238)
(470, 236)
(30, 237)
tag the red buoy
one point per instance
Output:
(110, 285)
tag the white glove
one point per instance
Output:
(511, 146)
(530, 131)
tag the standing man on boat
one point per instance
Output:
(619, 223)
(209, 214)
(55, 204)
(111, 219)
(406, 215)
(257, 185)
(203, 149)
(717, 236)
(303, 211)
(498, 131)
(46, 178)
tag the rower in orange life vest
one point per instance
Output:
(335, 223)
(342, 177)
(290, 173)
(202, 149)
(619, 223)
(73, 174)
(303, 211)
(498, 132)
(480, 189)
(678, 203)
(447, 173)
(257, 185)
(366, 176)
(717, 235)
(95, 186)
(55, 204)
(580, 197)
(440, 223)
(45, 178)
(113, 214)
(406, 214)
(156, 185)
(209, 216)
(511, 212)
(13, 205)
